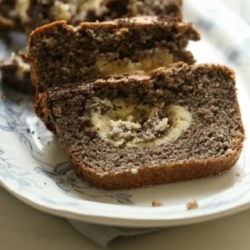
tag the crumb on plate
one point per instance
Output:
(192, 204)
(156, 203)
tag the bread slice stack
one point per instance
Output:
(129, 107)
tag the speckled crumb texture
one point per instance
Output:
(209, 146)
(70, 54)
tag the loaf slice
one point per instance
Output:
(59, 53)
(131, 8)
(181, 122)
(25, 15)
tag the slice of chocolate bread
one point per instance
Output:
(25, 15)
(181, 122)
(59, 53)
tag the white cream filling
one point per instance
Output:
(65, 11)
(158, 57)
(122, 124)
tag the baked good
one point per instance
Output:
(59, 53)
(16, 74)
(25, 15)
(181, 122)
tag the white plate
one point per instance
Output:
(34, 168)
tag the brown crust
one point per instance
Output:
(147, 176)
(126, 22)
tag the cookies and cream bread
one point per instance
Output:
(181, 122)
(59, 53)
(25, 15)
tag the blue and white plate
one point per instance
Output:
(34, 168)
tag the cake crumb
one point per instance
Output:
(156, 203)
(192, 204)
(134, 171)
(238, 174)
